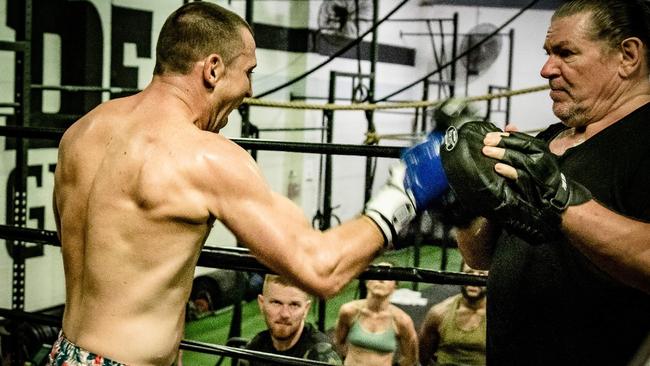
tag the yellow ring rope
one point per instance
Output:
(373, 137)
(368, 106)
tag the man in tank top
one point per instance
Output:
(454, 330)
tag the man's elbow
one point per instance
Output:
(327, 288)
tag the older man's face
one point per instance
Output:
(581, 72)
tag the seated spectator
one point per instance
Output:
(285, 308)
(369, 331)
(454, 330)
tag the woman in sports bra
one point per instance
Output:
(369, 331)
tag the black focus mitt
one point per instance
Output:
(471, 174)
(529, 206)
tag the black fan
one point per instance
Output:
(481, 58)
(344, 18)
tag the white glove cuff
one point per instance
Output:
(391, 209)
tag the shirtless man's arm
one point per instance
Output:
(276, 231)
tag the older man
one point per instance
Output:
(577, 290)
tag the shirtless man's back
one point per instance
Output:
(133, 223)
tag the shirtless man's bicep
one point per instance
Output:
(276, 230)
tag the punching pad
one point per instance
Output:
(471, 174)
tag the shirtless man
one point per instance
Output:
(454, 329)
(140, 181)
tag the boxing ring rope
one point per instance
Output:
(186, 345)
(246, 143)
(394, 105)
(215, 349)
(240, 259)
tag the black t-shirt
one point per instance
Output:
(548, 304)
(312, 345)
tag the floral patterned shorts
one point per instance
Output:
(66, 353)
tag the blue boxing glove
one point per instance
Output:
(425, 176)
(415, 182)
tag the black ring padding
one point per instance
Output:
(253, 144)
(188, 345)
(414, 274)
(247, 354)
(240, 259)
(292, 129)
(321, 148)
